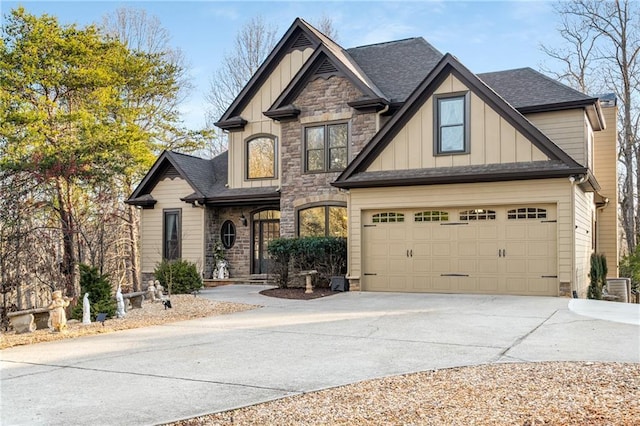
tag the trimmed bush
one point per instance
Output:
(99, 289)
(178, 276)
(327, 255)
(597, 275)
(281, 251)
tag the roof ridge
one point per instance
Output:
(386, 42)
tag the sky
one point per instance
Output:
(484, 35)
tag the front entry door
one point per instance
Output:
(266, 227)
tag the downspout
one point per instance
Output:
(378, 114)
(574, 273)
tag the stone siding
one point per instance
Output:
(321, 101)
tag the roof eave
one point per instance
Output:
(458, 179)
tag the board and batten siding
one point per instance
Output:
(167, 193)
(568, 129)
(258, 123)
(545, 191)
(583, 237)
(493, 139)
(605, 157)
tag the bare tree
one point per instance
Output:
(252, 45)
(605, 36)
(325, 26)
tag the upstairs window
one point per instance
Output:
(171, 244)
(325, 147)
(451, 117)
(261, 158)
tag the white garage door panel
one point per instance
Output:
(515, 253)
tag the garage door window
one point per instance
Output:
(527, 213)
(431, 216)
(478, 214)
(388, 217)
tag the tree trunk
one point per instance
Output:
(67, 266)
(133, 225)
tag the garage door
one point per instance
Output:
(498, 250)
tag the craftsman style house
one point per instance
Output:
(441, 179)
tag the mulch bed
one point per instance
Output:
(298, 293)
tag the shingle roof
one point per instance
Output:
(524, 88)
(397, 67)
(200, 173)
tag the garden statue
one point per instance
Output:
(159, 289)
(86, 309)
(120, 304)
(57, 315)
(151, 292)
(222, 269)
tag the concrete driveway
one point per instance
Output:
(164, 373)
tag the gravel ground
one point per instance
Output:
(558, 393)
(527, 394)
(184, 307)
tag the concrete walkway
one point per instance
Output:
(164, 373)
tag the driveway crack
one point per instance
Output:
(522, 338)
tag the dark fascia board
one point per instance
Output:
(450, 65)
(145, 203)
(368, 104)
(591, 106)
(151, 178)
(239, 200)
(269, 64)
(297, 84)
(286, 112)
(233, 123)
(461, 178)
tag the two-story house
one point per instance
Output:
(442, 180)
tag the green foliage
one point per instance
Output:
(281, 251)
(99, 289)
(327, 255)
(598, 276)
(630, 268)
(178, 276)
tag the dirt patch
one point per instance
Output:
(298, 293)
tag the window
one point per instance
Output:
(527, 213)
(322, 221)
(171, 249)
(431, 216)
(228, 234)
(261, 158)
(478, 214)
(451, 115)
(326, 147)
(388, 217)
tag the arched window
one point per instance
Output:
(322, 221)
(527, 213)
(478, 214)
(261, 158)
(228, 234)
(431, 216)
(388, 217)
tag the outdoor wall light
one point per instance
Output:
(243, 220)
